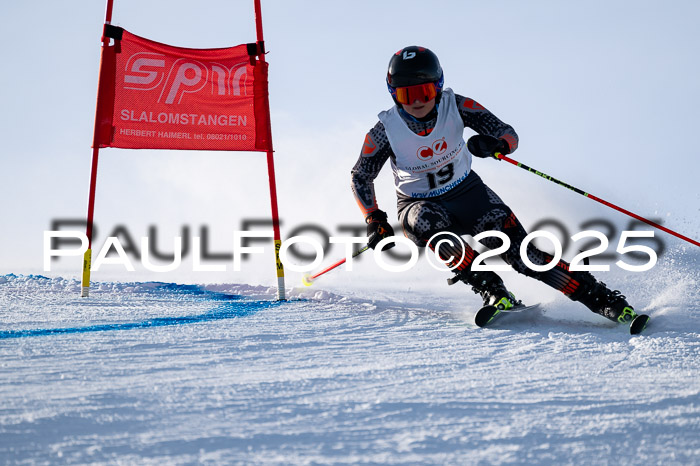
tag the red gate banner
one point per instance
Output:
(155, 96)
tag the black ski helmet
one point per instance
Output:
(411, 66)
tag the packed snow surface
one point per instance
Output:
(159, 373)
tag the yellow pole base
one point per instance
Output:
(87, 262)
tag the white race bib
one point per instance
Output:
(427, 166)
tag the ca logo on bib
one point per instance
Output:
(437, 148)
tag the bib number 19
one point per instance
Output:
(442, 176)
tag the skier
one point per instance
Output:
(438, 192)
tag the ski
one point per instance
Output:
(638, 324)
(488, 314)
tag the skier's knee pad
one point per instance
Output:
(423, 219)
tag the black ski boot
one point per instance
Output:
(597, 297)
(490, 287)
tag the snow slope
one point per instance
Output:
(157, 373)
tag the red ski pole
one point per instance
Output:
(308, 279)
(500, 156)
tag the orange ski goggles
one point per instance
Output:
(409, 94)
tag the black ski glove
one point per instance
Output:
(378, 229)
(485, 146)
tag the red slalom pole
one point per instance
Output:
(87, 257)
(308, 279)
(270, 159)
(500, 156)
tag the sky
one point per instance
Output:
(603, 94)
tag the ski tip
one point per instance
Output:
(485, 315)
(638, 324)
